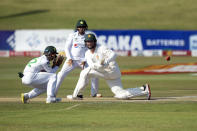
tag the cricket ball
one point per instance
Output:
(167, 58)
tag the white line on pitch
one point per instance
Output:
(71, 107)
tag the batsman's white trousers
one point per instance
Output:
(66, 69)
(41, 82)
(114, 84)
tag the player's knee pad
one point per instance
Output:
(116, 89)
(120, 93)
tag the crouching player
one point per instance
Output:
(102, 64)
(41, 76)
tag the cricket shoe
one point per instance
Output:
(148, 90)
(53, 100)
(58, 99)
(70, 97)
(24, 99)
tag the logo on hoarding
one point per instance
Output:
(33, 41)
(11, 41)
(193, 42)
(121, 42)
(54, 40)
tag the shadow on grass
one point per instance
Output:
(24, 14)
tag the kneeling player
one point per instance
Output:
(39, 75)
(102, 64)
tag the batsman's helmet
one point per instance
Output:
(81, 23)
(50, 50)
(90, 37)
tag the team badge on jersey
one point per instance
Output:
(76, 45)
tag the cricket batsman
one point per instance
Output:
(75, 52)
(41, 76)
(102, 64)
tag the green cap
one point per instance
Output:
(50, 50)
(90, 37)
(81, 23)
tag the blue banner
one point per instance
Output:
(147, 39)
(123, 40)
(6, 40)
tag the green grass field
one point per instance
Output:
(102, 115)
(100, 14)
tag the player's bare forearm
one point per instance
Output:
(70, 62)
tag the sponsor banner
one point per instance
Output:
(37, 40)
(147, 53)
(118, 40)
(4, 53)
(164, 69)
(147, 39)
(33, 40)
(25, 53)
(177, 53)
(194, 53)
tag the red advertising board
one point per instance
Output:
(4, 53)
(25, 53)
(177, 53)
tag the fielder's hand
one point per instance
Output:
(104, 63)
(58, 61)
(83, 64)
(70, 62)
(20, 74)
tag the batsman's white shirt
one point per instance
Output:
(102, 53)
(75, 47)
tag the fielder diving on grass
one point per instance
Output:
(102, 64)
(41, 76)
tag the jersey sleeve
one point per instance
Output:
(68, 46)
(84, 59)
(87, 59)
